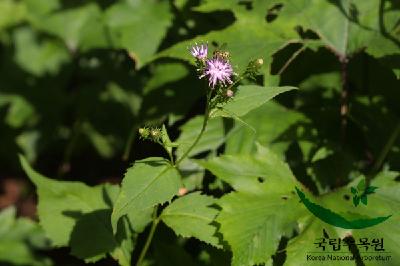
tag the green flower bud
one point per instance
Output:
(144, 132)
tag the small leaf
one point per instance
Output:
(248, 98)
(356, 200)
(191, 216)
(361, 185)
(353, 190)
(370, 190)
(364, 199)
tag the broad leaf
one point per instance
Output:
(251, 173)
(263, 209)
(191, 216)
(147, 183)
(248, 38)
(275, 127)
(84, 213)
(246, 99)
(352, 25)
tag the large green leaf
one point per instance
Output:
(246, 99)
(352, 25)
(262, 210)
(248, 38)
(274, 127)
(248, 172)
(20, 239)
(147, 183)
(126, 21)
(191, 216)
(84, 213)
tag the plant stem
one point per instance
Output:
(129, 143)
(291, 59)
(206, 117)
(149, 237)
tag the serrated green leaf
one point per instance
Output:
(248, 98)
(263, 209)
(191, 216)
(147, 183)
(254, 224)
(85, 214)
(252, 172)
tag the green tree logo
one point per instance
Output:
(361, 192)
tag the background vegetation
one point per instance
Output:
(78, 79)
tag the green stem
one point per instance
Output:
(171, 158)
(206, 117)
(149, 237)
(386, 149)
(129, 143)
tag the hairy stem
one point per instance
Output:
(149, 237)
(203, 128)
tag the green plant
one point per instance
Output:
(86, 84)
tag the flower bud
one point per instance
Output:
(229, 93)
(259, 61)
(155, 133)
(144, 132)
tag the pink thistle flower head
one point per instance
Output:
(199, 51)
(218, 70)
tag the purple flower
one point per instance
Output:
(199, 51)
(218, 70)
